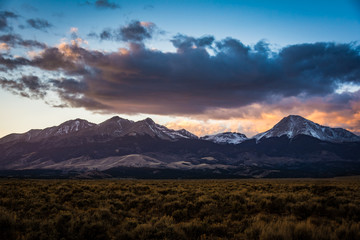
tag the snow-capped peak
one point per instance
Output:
(69, 127)
(226, 137)
(65, 128)
(294, 125)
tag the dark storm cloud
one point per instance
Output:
(4, 16)
(191, 81)
(14, 40)
(26, 86)
(135, 31)
(39, 24)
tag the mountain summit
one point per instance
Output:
(34, 135)
(125, 148)
(113, 127)
(294, 125)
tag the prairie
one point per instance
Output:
(180, 209)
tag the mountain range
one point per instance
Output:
(117, 147)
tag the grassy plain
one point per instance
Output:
(180, 209)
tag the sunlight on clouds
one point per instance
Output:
(4, 47)
(199, 128)
(34, 54)
(349, 87)
(257, 118)
(123, 51)
(337, 119)
(65, 49)
(249, 127)
(74, 30)
(147, 24)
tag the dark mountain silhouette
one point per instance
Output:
(295, 147)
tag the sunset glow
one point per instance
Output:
(240, 67)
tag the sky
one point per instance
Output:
(206, 66)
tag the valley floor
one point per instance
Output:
(180, 209)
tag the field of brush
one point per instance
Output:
(180, 209)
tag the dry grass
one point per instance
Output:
(159, 209)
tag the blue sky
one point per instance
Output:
(281, 24)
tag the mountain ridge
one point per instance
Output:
(116, 126)
(123, 147)
(113, 127)
(226, 137)
(294, 125)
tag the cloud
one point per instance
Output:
(39, 24)
(236, 82)
(335, 110)
(102, 4)
(26, 86)
(193, 82)
(61, 58)
(106, 4)
(4, 16)
(74, 30)
(14, 40)
(201, 128)
(10, 63)
(135, 31)
(4, 47)
(184, 43)
(69, 85)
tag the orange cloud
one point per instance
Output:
(199, 128)
(257, 118)
(249, 127)
(65, 49)
(147, 24)
(123, 51)
(74, 30)
(4, 47)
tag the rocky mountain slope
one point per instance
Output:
(293, 147)
(226, 137)
(293, 125)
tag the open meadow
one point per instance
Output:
(180, 209)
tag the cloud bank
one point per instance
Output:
(234, 81)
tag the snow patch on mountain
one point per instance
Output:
(294, 125)
(68, 127)
(226, 137)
